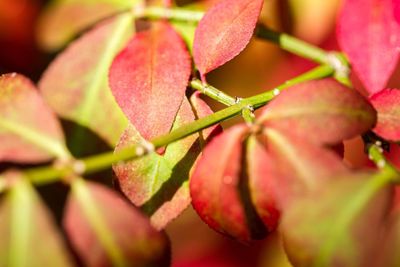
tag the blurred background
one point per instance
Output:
(261, 67)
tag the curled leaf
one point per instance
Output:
(149, 78)
(387, 104)
(29, 130)
(76, 83)
(106, 231)
(29, 236)
(322, 111)
(370, 40)
(224, 32)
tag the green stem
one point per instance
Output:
(375, 153)
(44, 175)
(156, 12)
(213, 92)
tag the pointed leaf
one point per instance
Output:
(107, 231)
(322, 111)
(370, 40)
(29, 130)
(333, 225)
(29, 237)
(302, 165)
(76, 83)
(261, 170)
(224, 32)
(214, 183)
(230, 186)
(387, 104)
(159, 183)
(62, 20)
(149, 78)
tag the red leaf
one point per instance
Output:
(215, 197)
(107, 231)
(29, 130)
(322, 111)
(224, 32)
(262, 173)
(369, 35)
(387, 104)
(302, 166)
(227, 186)
(149, 78)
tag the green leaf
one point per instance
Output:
(29, 130)
(338, 224)
(29, 237)
(159, 183)
(64, 19)
(106, 231)
(76, 83)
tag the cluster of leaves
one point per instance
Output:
(280, 169)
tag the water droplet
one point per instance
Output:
(227, 180)
(276, 91)
(79, 167)
(381, 163)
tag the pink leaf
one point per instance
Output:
(224, 32)
(396, 10)
(368, 33)
(29, 130)
(76, 86)
(322, 111)
(106, 231)
(387, 104)
(158, 183)
(149, 78)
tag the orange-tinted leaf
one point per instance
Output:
(302, 165)
(224, 32)
(149, 78)
(76, 83)
(338, 224)
(387, 104)
(230, 189)
(322, 111)
(369, 35)
(158, 184)
(64, 19)
(29, 236)
(29, 130)
(106, 231)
